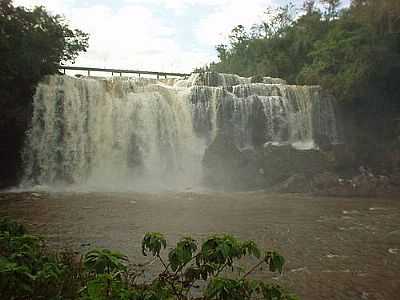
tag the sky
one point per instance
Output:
(157, 35)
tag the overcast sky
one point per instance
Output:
(162, 35)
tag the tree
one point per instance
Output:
(352, 52)
(33, 43)
(332, 8)
(309, 6)
(383, 16)
(341, 61)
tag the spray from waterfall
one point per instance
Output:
(143, 134)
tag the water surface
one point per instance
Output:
(336, 248)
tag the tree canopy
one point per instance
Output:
(348, 51)
(33, 43)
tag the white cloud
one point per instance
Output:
(54, 6)
(122, 38)
(129, 37)
(215, 27)
(179, 6)
(130, 33)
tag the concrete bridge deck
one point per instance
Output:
(123, 71)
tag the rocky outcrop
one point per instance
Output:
(279, 163)
(362, 185)
(276, 168)
(226, 167)
(297, 183)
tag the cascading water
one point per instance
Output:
(257, 113)
(143, 134)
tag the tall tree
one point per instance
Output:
(32, 44)
(309, 6)
(332, 8)
(383, 16)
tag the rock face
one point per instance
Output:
(362, 185)
(221, 162)
(282, 162)
(226, 167)
(279, 168)
(297, 183)
(288, 170)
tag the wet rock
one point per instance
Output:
(297, 183)
(325, 181)
(282, 162)
(366, 184)
(344, 160)
(394, 179)
(221, 162)
(225, 166)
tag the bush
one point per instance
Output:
(29, 271)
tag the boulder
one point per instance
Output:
(281, 162)
(326, 181)
(226, 167)
(344, 159)
(362, 185)
(297, 183)
(221, 162)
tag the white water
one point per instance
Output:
(115, 134)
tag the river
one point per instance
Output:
(336, 248)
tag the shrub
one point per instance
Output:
(29, 271)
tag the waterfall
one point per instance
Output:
(257, 113)
(144, 133)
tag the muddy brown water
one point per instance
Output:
(336, 248)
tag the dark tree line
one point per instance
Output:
(32, 44)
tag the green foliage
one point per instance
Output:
(274, 292)
(275, 261)
(353, 52)
(153, 242)
(182, 254)
(11, 227)
(230, 289)
(257, 79)
(104, 261)
(223, 250)
(28, 271)
(349, 52)
(33, 43)
(188, 264)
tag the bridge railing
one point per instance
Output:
(123, 71)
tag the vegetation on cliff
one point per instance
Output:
(345, 51)
(353, 53)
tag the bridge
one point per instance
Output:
(122, 71)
